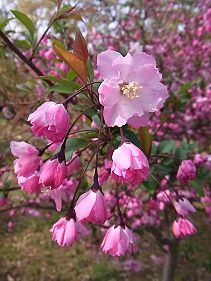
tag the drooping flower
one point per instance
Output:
(91, 207)
(53, 173)
(130, 165)
(28, 155)
(30, 184)
(65, 232)
(131, 88)
(118, 241)
(183, 227)
(50, 120)
(186, 171)
(184, 207)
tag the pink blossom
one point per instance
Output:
(91, 207)
(28, 160)
(186, 171)
(65, 232)
(130, 165)
(184, 207)
(50, 120)
(53, 173)
(131, 87)
(183, 227)
(30, 184)
(118, 241)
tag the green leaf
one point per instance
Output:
(166, 146)
(131, 136)
(150, 185)
(61, 82)
(26, 21)
(96, 119)
(90, 69)
(4, 22)
(22, 44)
(197, 185)
(73, 145)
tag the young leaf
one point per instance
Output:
(26, 21)
(80, 46)
(78, 65)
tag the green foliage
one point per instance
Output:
(131, 136)
(26, 21)
(166, 146)
(73, 145)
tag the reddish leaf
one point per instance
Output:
(77, 64)
(80, 46)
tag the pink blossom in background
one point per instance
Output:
(118, 241)
(186, 171)
(65, 232)
(28, 160)
(184, 207)
(183, 227)
(105, 172)
(50, 120)
(74, 164)
(130, 165)
(53, 173)
(131, 87)
(91, 207)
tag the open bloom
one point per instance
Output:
(53, 173)
(28, 155)
(186, 171)
(130, 165)
(91, 207)
(50, 120)
(183, 227)
(184, 207)
(65, 232)
(118, 241)
(131, 88)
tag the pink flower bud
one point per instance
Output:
(183, 227)
(118, 241)
(91, 207)
(133, 168)
(184, 207)
(66, 232)
(53, 173)
(50, 120)
(28, 160)
(186, 171)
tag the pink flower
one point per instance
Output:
(66, 232)
(183, 227)
(53, 173)
(118, 241)
(184, 207)
(130, 165)
(91, 207)
(186, 171)
(50, 120)
(131, 88)
(28, 160)
(30, 184)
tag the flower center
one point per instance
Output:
(130, 89)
